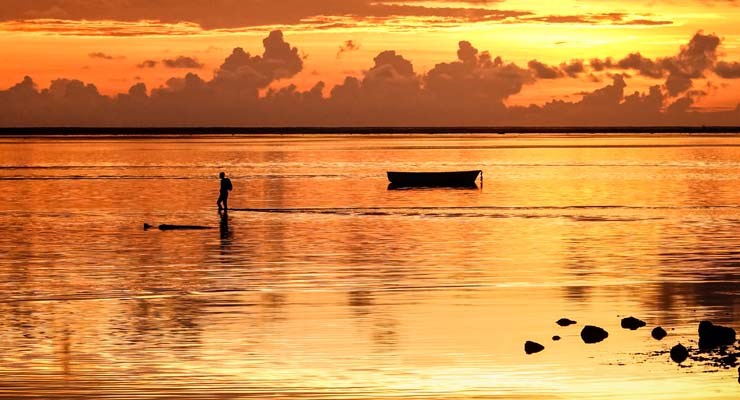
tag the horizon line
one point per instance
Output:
(57, 131)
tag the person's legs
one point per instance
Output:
(226, 202)
(220, 202)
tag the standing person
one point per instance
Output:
(223, 196)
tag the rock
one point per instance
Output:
(632, 323)
(658, 333)
(729, 360)
(593, 334)
(556, 338)
(711, 335)
(532, 347)
(565, 322)
(147, 226)
(679, 353)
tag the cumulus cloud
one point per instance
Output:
(544, 71)
(182, 62)
(470, 89)
(692, 62)
(573, 68)
(476, 76)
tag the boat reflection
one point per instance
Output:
(393, 186)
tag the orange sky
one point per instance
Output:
(118, 43)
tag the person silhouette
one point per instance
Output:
(223, 197)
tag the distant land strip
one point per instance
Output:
(416, 130)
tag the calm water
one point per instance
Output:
(325, 284)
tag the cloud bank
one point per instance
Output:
(469, 90)
(173, 17)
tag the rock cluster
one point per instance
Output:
(711, 336)
(718, 345)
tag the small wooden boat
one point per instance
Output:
(167, 227)
(431, 179)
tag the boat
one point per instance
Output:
(434, 179)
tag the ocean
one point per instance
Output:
(323, 282)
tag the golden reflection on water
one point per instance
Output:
(342, 288)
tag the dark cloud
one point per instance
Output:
(104, 56)
(182, 62)
(231, 14)
(600, 65)
(543, 71)
(234, 14)
(573, 68)
(148, 64)
(242, 71)
(595, 19)
(570, 69)
(348, 46)
(471, 89)
(728, 70)
(476, 77)
(692, 62)
(645, 66)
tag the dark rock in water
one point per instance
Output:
(658, 333)
(147, 227)
(556, 338)
(728, 361)
(593, 334)
(565, 322)
(632, 323)
(679, 353)
(711, 335)
(532, 347)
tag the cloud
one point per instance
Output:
(184, 17)
(596, 19)
(543, 71)
(234, 14)
(728, 70)
(104, 56)
(470, 89)
(147, 64)
(348, 46)
(692, 62)
(182, 62)
(242, 71)
(573, 68)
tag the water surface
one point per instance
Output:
(325, 284)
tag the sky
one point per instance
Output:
(369, 62)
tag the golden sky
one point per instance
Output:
(549, 52)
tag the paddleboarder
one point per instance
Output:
(223, 197)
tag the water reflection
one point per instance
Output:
(340, 286)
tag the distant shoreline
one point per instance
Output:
(277, 131)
